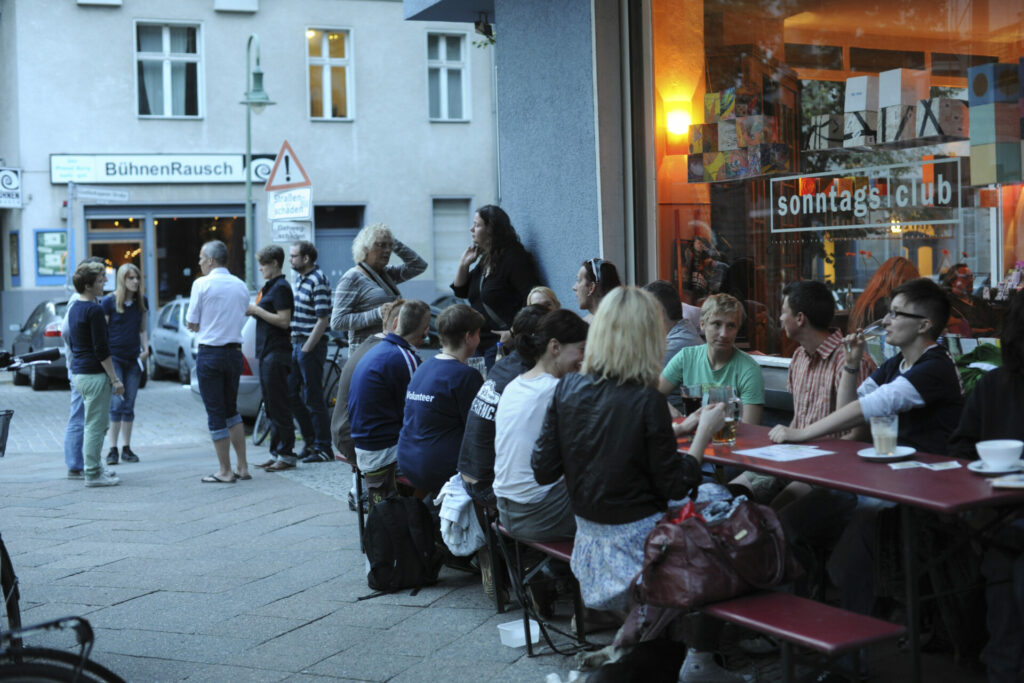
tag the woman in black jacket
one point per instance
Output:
(499, 284)
(608, 430)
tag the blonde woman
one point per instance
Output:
(542, 296)
(125, 310)
(609, 432)
(359, 298)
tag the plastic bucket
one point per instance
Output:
(5, 427)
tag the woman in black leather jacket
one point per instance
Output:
(608, 430)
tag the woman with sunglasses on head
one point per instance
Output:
(129, 348)
(502, 278)
(595, 278)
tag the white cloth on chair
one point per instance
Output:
(459, 526)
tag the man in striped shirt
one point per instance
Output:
(310, 319)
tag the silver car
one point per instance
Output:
(42, 331)
(172, 346)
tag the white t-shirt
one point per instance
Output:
(517, 424)
(218, 304)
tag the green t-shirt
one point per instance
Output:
(742, 373)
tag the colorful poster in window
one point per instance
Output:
(51, 253)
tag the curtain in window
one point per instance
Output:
(179, 45)
(151, 95)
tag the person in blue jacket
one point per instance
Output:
(129, 347)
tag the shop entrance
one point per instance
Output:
(178, 240)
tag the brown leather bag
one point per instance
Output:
(693, 563)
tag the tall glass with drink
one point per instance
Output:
(885, 431)
(693, 396)
(726, 436)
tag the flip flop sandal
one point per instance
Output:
(243, 477)
(214, 479)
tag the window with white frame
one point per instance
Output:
(168, 69)
(328, 55)
(446, 77)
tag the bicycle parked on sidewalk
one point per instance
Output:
(37, 664)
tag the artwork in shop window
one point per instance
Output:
(15, 255)
(51, 253)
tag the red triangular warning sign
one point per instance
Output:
(289, 174)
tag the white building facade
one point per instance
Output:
(124, 136)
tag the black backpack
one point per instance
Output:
(401, 545)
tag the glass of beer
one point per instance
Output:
(693, 396)
(884, 433)
(726, 436)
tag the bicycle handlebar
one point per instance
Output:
(14, 362)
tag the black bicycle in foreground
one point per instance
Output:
(26, 664)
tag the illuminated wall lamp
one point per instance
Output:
(677, 123)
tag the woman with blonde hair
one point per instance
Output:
(359, 298)
(609, 432)
(543, 296)
(125, 310)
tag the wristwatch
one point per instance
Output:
(852, 371)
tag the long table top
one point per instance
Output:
(946, 491)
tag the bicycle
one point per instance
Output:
(331, 376)
(28, 664)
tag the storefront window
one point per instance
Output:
(178, 240)
(800, 142)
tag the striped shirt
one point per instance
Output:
(814, 380)
(312, 301)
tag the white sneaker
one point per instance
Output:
(106, 478)
(700, 667)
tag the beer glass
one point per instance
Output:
(726, 436)
(693, 396)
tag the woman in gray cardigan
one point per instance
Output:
(371, 283)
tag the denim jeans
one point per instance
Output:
(275, 367)
(306, 394)
(218, 369)
(75, 430)
(95, 390)
(122, 408)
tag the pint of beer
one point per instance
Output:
(726, 436)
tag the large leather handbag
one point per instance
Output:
(691, 562)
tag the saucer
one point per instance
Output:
(979, 467)
(901, 452)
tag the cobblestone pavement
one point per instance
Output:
(253, 581)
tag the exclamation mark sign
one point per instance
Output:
(287, 169)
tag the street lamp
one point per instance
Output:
(256, 100)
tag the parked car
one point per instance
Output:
(42, 331)
(172, 346)
(249, 394)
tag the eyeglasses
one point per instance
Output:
(595, 268)
(903, 314)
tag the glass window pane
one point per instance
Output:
(455, 93)
(339, 102)
(314, 38)
(149, 38)
(316, 85)
(432, 47)
(336, 44)
(183, 40)
(151, 89)
(454, 48)
(192, 89)
(434, 91)
(178, 88)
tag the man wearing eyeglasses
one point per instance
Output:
(920, 384)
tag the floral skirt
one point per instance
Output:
(606, 557)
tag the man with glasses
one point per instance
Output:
(920, 384)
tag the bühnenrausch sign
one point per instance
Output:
(130, 169)
(909, 193)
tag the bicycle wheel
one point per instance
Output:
(37, 664)
(332, 373)
(9, 590)
(261, 427)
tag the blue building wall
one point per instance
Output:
(546, 133)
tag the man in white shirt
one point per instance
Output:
(216, 312)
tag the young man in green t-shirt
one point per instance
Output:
(719, 362)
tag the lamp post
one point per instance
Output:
(256, 100)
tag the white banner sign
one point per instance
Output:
(290, 204)
(286, 232)
(10, 188)
(127, 169)
(906, 194)
(102, 195)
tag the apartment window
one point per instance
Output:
(329, 59)
(446, 77)
(167, 58)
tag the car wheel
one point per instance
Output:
(38, 380)
(20, 379)
(184, 372)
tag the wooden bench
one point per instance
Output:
(798, 621)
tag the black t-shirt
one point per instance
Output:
(992, 411)
(476, 456)
(276, 295)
